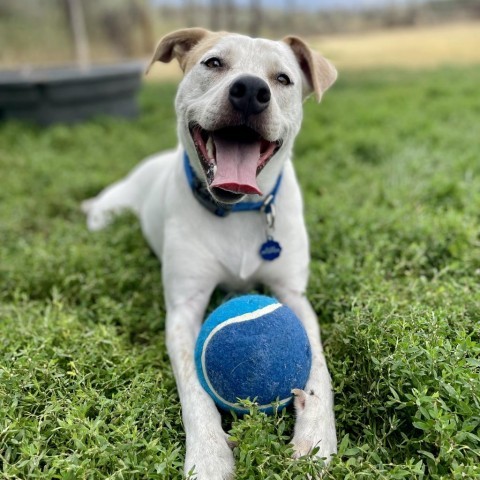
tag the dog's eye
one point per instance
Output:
(284, 79)
(213, 62)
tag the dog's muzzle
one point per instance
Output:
(233, 156)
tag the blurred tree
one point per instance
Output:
(291, 15)
(126, 24)
(141, 13)
(190, 13)
(231, 13)
(255, 18)
(78, 30)
(215, 6)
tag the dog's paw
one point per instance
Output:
(314, 427)
(209, 457)
(97, 218)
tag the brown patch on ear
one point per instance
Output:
(184, 46)
(202, 47)
(319, 71)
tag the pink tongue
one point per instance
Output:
(236, 166)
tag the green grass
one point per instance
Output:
(391, 175)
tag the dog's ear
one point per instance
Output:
(177, 45)
(319, 71)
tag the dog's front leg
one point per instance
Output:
(315, 422)
(208, 453)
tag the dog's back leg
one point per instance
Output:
(126, 194)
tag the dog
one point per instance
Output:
(225, 209)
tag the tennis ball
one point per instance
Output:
(252, 347)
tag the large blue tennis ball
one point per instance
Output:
(252, 347)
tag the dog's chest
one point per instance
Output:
(240, 240)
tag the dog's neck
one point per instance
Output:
(203, 196)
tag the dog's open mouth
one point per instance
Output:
(232, 157)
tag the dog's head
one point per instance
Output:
(239, 104)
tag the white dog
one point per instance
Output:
(225, 209)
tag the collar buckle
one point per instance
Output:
(268, 209)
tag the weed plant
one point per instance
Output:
(389, 165)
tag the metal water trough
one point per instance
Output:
(70, 94)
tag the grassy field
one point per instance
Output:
(422, 46)
(391, 175)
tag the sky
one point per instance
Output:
(310, 4)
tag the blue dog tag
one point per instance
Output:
(270, 250)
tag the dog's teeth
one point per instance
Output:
(210, 147)
(212, 170)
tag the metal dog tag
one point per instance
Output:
(270, 250)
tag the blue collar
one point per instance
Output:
(201, 193)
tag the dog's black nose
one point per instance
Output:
(249, 95)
